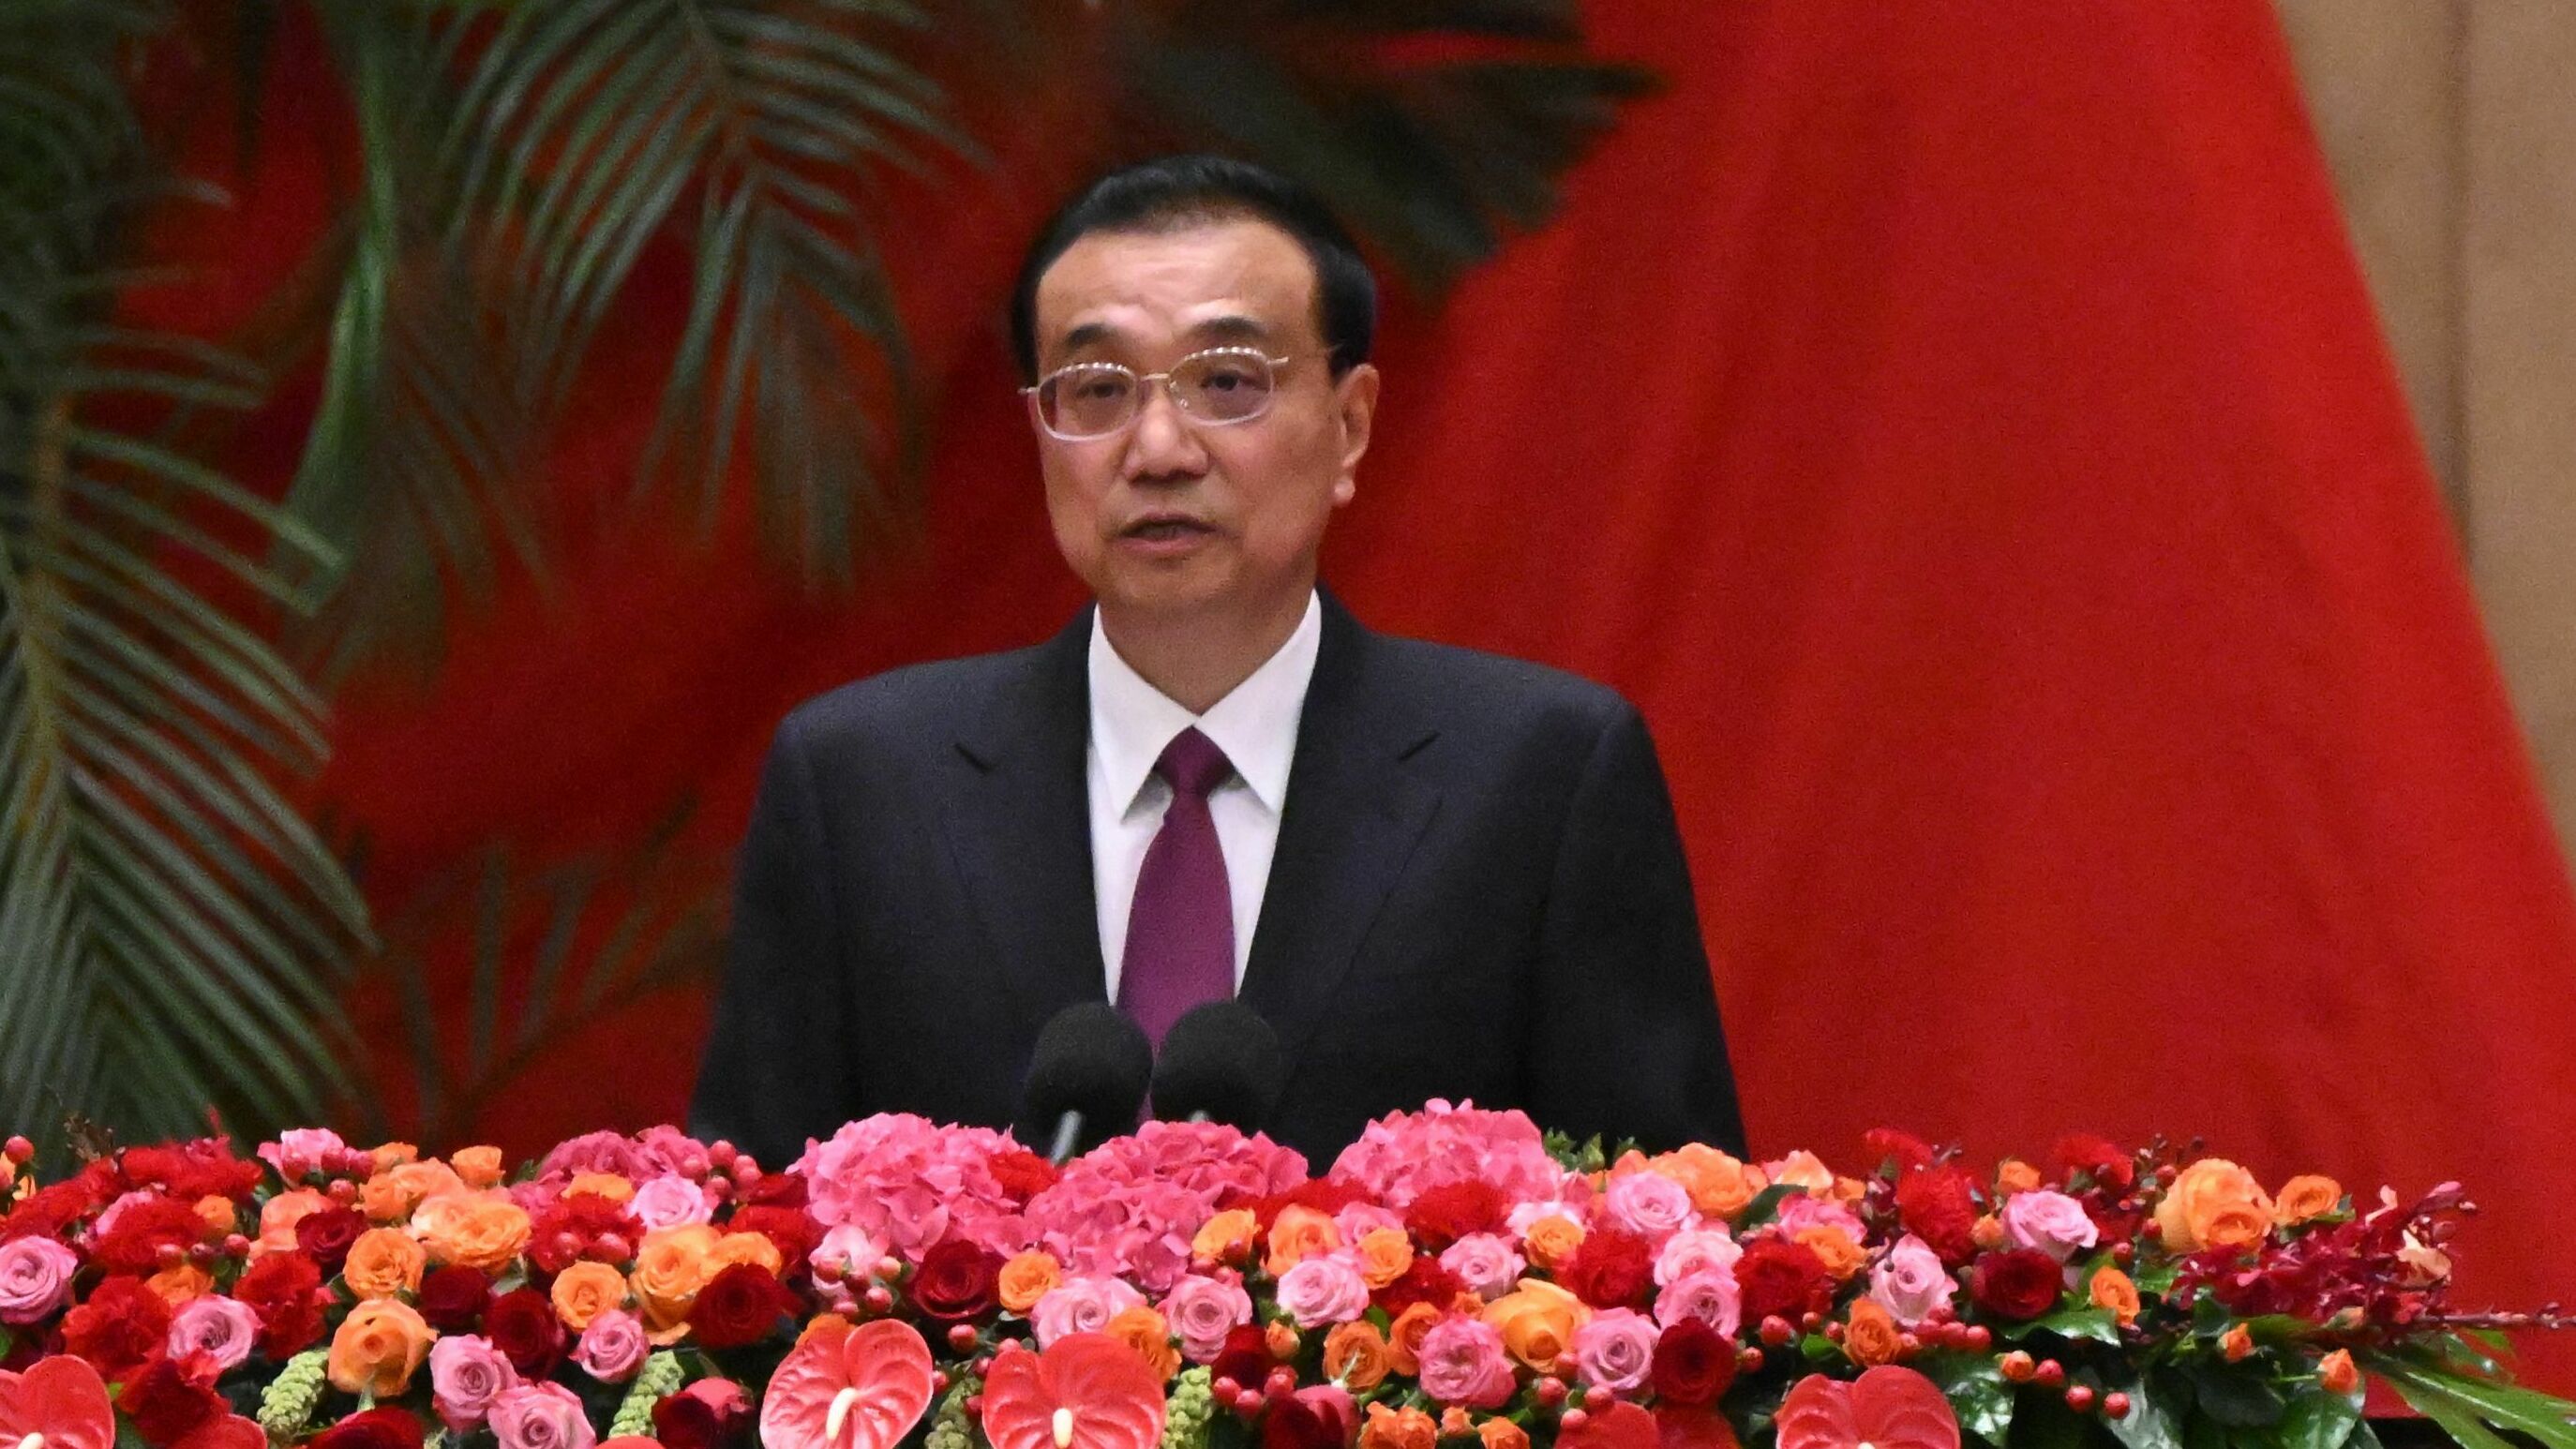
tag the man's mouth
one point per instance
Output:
(1164, 528)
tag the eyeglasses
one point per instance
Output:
(1219, 386)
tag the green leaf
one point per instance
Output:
(2317, 1419)
(2096, 1324)
(2234, 1396)
(2150, 1422)
(2507, 1406)
(1766, 1205)
(1977, 1391)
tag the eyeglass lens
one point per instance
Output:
(1091, 398)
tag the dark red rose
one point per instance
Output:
(1907, 1151)
(1937, 1205)
(452, 1298)
(122, 1327)
(1611, 1269)
(171, 1398)
(325, 1236)
(562, 1233)
(191, 1170)
(1245, 1358)
(2023, 1283)
(955, 1282)
(522, 1324)
(1783, 1279)
(684, 1421)
(1693, 1364)
(1425, 1282)
(285, 1290)
(144, 1228)
(1445, 1214)
(1022, 1173)
(2111, 1168)
(1321, 1417)
(384, 1428)
(792, 1231)
(740, 1305)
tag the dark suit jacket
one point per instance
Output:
(1478, 893)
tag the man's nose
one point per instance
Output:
(1162, 444)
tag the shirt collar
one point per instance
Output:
(1255, 724)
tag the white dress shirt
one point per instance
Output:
(1131, 722)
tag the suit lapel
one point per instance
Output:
(1353, 815)
(1019, 829)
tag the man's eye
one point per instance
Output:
(1100, 389)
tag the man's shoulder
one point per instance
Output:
(923, 703)
(1463, 687)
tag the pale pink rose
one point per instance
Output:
(1650, 1205)
(35, 1278)
(612, 1348)
(1616, 1349)
(1711, 1297)
(1800, 1169)
(1357, 1220)
(221, 1328)
(1200, 1309)
(2049, 1221)
(302, 1151)
(1485, 1262)
(541, 1416)
(1080, 1305)
(467, 1377)
(670, 1201)
(1463, 1363)
(1800, 1211)
(1326, 1288)
(1695, 1250)
(1571, 1205)
(1909, 1282)
(853, 1250)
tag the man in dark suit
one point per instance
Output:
(1436, 873)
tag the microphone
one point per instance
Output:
(1086, 1079)
(1220, 1063)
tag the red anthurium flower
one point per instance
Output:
(849, 1388)
(62, 1399)
(1086, 1391)
(1886, 1408)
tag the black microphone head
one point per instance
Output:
(1221, 1063)
(1091, 1059)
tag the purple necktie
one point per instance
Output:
(1180, 932)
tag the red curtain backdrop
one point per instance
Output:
(1963, 429)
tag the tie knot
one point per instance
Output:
(1192, 764)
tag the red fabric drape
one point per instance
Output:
(1962, 427)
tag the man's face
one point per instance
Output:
(1169, 515)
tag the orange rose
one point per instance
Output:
(395, 1192)
(1987, 1232)
(180, 1282)
(1404, 1338)
(392, 1154)
(822, 1323)
(1398, 1429)
(2336, 1373)
(1802, 1169)
(478, 1166)
(753, 1248)
(2236, 1344)
(602, 1185)
(1456, 1423)
(586, 1290)
(1871, 1337)
(1296, 1234)
(473, 1229)
(1537, 1322)
(2015, 1176)
(1720, 1186)
(670, 1268)
(1227, 1237)
(383, 1262)
(1501, 1433)
(1356, 1356)
(1281, 1338)
(1842, 1257)
(278, 1218)
(1027, 1278)
(1551, 1240)
(1849, 1191)
(2112, 1289)
(1143, 1329)
(378, 1348)
(218, 1214)
(2303, 1198)
(1384, 1255)
(2213, 1204)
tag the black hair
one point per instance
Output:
(1174, 192)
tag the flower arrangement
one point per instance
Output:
(1455, 1281)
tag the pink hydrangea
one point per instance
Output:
(1080, 1305)
(909, 1183)
(1211, 1159)
(1404, 1154)
(1129, 1207)
(1714, 1298)
(1463, 1363)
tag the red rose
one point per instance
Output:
(171, 1398)
(1782, 1279)
(1245, 1358)
(452, 1298)
(1425, 1282)
(684, 1421)
(741, 1305)
(122, 1327)
(955, 1282)
(285, 1290)
(1937, 1205)
(1907, 1151)
(792, 1231)
(2111, 1168)
(1693, 1364)
(522, 1324)
(1321, 1417)
(1611, 1270)
(325, 1236)
(1022, 1173)
(384, 1428)
(2023, 1283)
(144, 1229)
(1445, 1214)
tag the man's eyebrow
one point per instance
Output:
(1232, 328)
(1087, 334)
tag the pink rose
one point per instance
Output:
(670, 1201)
(612, 1348)
(35, 1278)
(541, 1416)
(1616, 1350)
(1650, 1205)
(1200, 1309)
(1485, 1262)
(1463, 1363)
(221, 1328)
(467, 1377)
(1800, 1211)
(1357, 1220)
(1712, 1297)
(1080, 1305)
(1326, 1288)
(1695, 1250)
(1910, 1281)
(2049, 1221)
(304, 1150)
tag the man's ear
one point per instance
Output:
(1355, 408)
